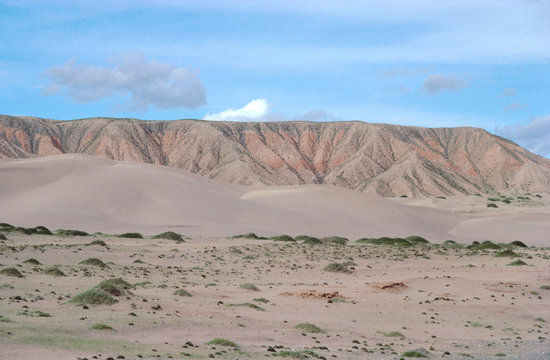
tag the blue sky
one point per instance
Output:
(426, 63)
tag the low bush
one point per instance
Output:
(131, 235)
(169, 235)
(93, 297)
(309, 327)
(11, 272)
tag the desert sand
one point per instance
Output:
(261, 297)
(92, 194)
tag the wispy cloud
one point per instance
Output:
(437, 83)
(404, 71)
(513, 106)
(149, 83)
(509, 92)
(534, 135)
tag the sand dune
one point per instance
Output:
(92, 194)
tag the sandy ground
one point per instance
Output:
(447, 303)
(452, 303)
(83, 192)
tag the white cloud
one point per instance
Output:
(535, 135)
(437, 83)
(254, 110)
(258, 111)
(149, 83)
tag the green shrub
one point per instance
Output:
(93, 262)
(338, 240)
(486, 245)
(182, 292)
(393, 334)
(249, 236)
(131, 235)
(114, 286)
(518, 244)
(32, 261)
(250, 305)
(308, 240)
(93, 297)
(417, 240)
(414, 354)
(53, 271)
(98, 242)
(309, 327)
(492, 205)
(41, 230)
(336, 267)
(169, 235)
(11, 272)
(101, 326)
(450, 244)
(4, 319)
(507, 253)
(3, 237)
(64, 232)
(517, 262)
(299, 354)
(282, 238)
(222, 342)
(385, 241)
(250, 286)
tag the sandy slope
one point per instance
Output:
(84, 192)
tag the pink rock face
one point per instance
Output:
(388, 159)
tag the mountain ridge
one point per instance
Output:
(391, 160)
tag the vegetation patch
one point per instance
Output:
(114, 287)
(169, 235)
(93, 297)
(393, 334)
(67, 233)
(518, 244)
(4, 319)
(102, 326)
(250, 286)
(308, 240)
(249, 236)
(182, 292)
(385, 241)
(250, 305)
(54, 271)
(336, 267)
(417, 240)
(416, 354)
(486, 245)
(517, 262)
(32, 261)
(222, 342)
(93, 262)
(11, 272)
(507, 253)
(299, 354)
(98, 242)
(336, 240)
(131, 235)
(282, 238)
(450, 244)
(309, 327)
